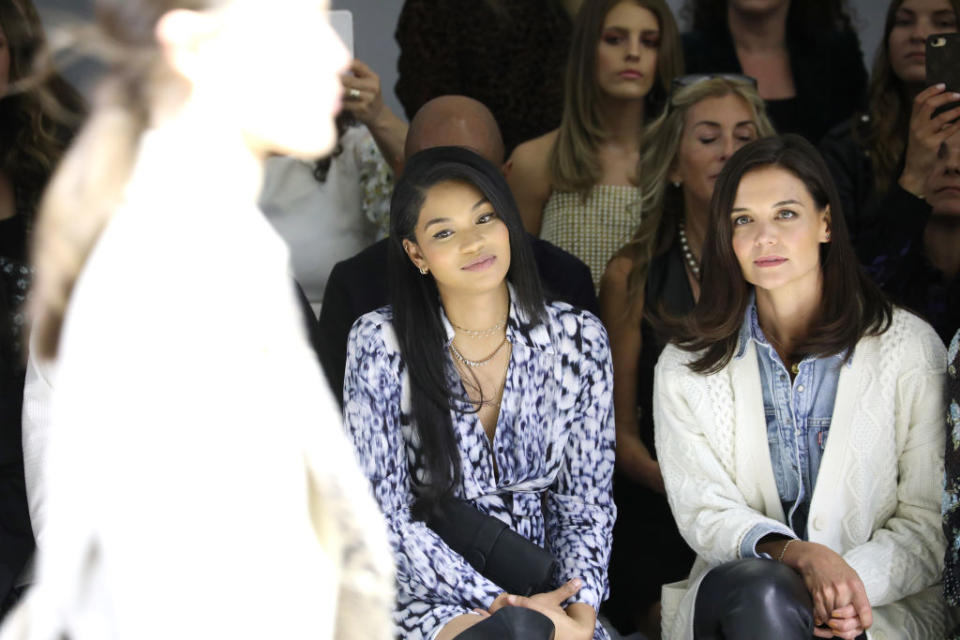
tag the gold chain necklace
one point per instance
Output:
(477, 363)
(480, 333)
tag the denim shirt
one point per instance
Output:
(798, 415)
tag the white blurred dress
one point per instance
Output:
(198, 481)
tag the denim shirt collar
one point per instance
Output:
(750, 331)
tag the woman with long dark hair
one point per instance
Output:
(576, 186)
(799, 424)
(880, 159)
(469, 385)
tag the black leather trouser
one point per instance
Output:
(511, 623)
(753, 599)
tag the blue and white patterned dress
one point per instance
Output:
(554, 452)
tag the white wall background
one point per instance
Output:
(374, 22)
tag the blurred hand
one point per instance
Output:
(361, 93)
(926, 135)
(576, 624)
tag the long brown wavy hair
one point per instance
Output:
(885, 134)
(851, 305)
(573, 162)
(40, 110)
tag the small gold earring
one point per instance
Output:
(423, 271)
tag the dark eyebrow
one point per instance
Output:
(779, 204)
(435, 221)
(476, 206)
(786, 202)
(711, 123)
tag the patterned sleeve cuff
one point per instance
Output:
(748, 545)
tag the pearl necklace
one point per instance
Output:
(687, 253)
(477, 363)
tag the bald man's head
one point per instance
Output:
(456, 121)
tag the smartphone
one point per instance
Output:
(943, 64)
(342, 22)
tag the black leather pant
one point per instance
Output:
(753, 599)
(511, 623)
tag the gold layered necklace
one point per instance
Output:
(480, 333)
(478, 363)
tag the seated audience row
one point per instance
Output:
(481, 402)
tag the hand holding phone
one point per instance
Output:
(936, 111)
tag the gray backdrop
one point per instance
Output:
(374, 21)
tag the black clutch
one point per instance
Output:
(500, 554)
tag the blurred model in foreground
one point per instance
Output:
(199, 484)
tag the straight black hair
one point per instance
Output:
(416, 305)
(851, 306)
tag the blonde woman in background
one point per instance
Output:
(708, 118)
(577, 185)
(199, 484)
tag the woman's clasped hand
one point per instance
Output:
(574, 622)
(840, 605)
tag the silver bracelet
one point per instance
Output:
(784, 550)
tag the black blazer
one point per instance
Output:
(828, 72)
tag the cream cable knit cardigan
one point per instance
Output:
(877, 497)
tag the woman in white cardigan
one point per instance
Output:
(799, 420)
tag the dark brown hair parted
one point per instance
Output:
(573, 161)
(885, 135)
(851, 306)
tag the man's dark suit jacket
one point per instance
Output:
(358, 285)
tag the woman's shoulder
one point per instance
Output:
(567, 321)
(675, 361)
(531, 158)
(913, 340)
(374, 330)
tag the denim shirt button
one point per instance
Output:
(800, 389)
